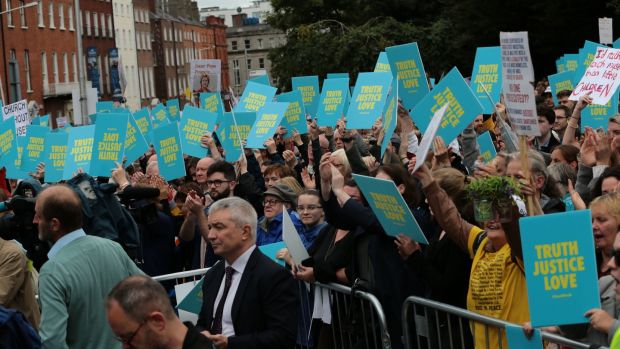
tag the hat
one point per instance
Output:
(282, 192)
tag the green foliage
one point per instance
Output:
(493, 188)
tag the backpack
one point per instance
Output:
(16, 332)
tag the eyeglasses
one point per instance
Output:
(128, 340)
(309, 208)
(217, 183)
(271, 202)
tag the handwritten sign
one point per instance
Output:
(332, 101)
(406, 63)
(195, 123)
(309, 88)
(19, 112)
(487, 76)
(167, 144)
(268, 119)
(560, 267)
(295, 116)
(254, 97)
(79, 150)
(368, 100)
(601, 77)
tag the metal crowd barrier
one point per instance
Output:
(439, 325)
(183, 276)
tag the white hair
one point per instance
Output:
(241, 212)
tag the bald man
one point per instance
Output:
(80, 272)
(201, 172)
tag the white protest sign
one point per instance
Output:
(205, 75)
(429, 136)
(19, 110)
(605, 31)
(291, 239)
(601, 78)
(517, 73)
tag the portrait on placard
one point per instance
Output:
(205, 75)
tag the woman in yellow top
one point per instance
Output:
(497, 283)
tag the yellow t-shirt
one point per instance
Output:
(496, 288)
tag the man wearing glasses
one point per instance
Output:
(80, 272)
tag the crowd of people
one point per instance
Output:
(91, 294)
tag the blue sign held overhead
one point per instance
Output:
(55, 155)
(268, 119)
(332, 102)
(167, 144)
(254, 97)
(406, 62)
(309, 88)
(487, 75)
(109, 143)
(295, 116)
(368, 100)
(227, 133)
(195, 123)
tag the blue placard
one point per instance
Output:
(337, 76)
(560, 64)
(160, 116)
(44, 120)
(617, 43)
(212, 101)
(432, 82)
(174, 110)
(309, 88)
(516, 339)
(135, 143)
(560, 82)
(34, 147)
(167, 144)
(54, 156)
(390, 207)
(368, 100)
(261, 79)
(271, 250)
(405, 61)
(383, 64)
(464, 106)
(332, 101)
(79, 150)
(295, 116)
(390, 116)
(488, 73)
(104, 106)
(254, 97)
(268, 119)
(14, 160)
(192, 302)
(8, 140)
(487, 148)
(143, 121)
(560, 267)
(597, 116)
(195, 123)
(586, 55)
(571, 60)
(109, 143)
(227, 133)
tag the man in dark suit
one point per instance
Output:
(249, 301)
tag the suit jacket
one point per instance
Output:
(265, 310)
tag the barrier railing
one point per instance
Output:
(439, 325)
(181, 276)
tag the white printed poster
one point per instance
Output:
(206, 75)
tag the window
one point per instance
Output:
(75, 67)
(14, 83)
(260, 43)
(236, 73)
(272, 42)
(44, 68)
(55, 66)
(50, 15)
(87, 16)
(22, 14)
(40, 14)
(249, 61)
(234, 45)
(9, 14)
(71, 27)
(103, 32)
(151, 85)
(61, 16)
(261, 63)
(165, 34)
(65, 66)
(95, 24)
(148, 40)
(27, 70)
(247, 44)
(110, 30)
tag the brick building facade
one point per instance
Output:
(97, 40)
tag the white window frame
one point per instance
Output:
(61, 16)
(87, 16)
(50, 16)
(55, 67)
(40, 14)
(27, 71)
(71, 23)
(65, 66)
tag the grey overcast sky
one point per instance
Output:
(223, 3)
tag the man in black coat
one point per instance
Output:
(249, 301)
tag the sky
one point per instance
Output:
(223, 3)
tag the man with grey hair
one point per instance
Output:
(141, 316)
(249, 301)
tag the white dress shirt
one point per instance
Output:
(238, 266)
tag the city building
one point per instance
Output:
(124, 58)
(249, 43)
(259, 9)
(35, 67)
(145, 61)
(179, 8)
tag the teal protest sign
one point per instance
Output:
(79, 150)
(254, 97)
(571, 61)
(174, 110)
(560, 64)
(560, 267)
(487, 148)
(143, 121)
(309, 88)
(463, 107)
(104, 106)
(271, 251)
(193, 300)
(14, 161)
(109, 143)
(337, 76)
(560, 82)
(35, 147)
(195, 123)
(8, 140)
(406, 62)
(516, 339)
(135, 143)
(261, 79)
(390, 116)
(54, 156)
(295, 116)
(268, 119)
(160, 116)
(597, 116)
(368, 100)
(586, 55)
(487, 75)
(44, 120)
(383, 64)
(212, 101)
(332, 101)
(167, 144)
(390, 207)
(227, 133)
